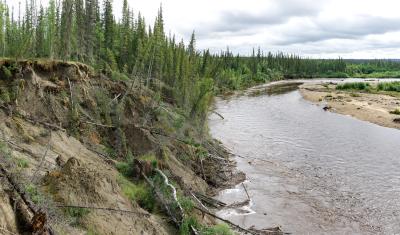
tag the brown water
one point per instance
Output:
(309, 171)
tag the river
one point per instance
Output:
(307, 170)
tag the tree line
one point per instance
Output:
(82, 30)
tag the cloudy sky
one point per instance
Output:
(319, 29)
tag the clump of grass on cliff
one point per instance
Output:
(139, 193)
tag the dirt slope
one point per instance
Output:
(63, 131)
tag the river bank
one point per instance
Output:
(374, 108)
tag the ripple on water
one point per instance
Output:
(324, 172)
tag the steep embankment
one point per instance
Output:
(80, 152)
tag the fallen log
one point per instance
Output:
(210, 201)
(32, 217)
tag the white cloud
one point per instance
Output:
(320, 29)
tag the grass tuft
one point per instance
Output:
(353, 86)
(396, 112)
(389, 86)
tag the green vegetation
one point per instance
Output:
(140, 193)
(77, 213)
(389, 86)
(33, 193)
(219, 229)
(80, 30)
(353, 86)
(396, 112)
(22, 163)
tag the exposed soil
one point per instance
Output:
(374, 108)
(58, 123)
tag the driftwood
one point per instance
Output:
(238, 204)
(99, 124)
(222, 117)
(235, 226)
(41, 160)
(210, 201)
(269, 231)
(34, 218)
(245, 189)
(199, 202)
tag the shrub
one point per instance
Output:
(22, 163)
(33, 193)
(396, 112)
(219, 229)
(353, 86)
(389, 86)
(6, 72)
(77, 213)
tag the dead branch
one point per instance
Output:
(70, 93)
(99, 124)
(210, 201)
(245, 189)
(226, 221)
(222, 117)
(104, 208)
(272, 231)
(42, 159)
(30, 209)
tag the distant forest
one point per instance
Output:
(81, 30)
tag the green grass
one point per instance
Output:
(219, 229)
(353, 86)
(140, 193)
(389, 86)
(33, 193)
(77, 213)
(396, 112)
(22, 163)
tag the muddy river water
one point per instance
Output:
(307, 170)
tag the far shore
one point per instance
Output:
(374, 108)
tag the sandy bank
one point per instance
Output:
(374, 108)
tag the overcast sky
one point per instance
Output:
(319, 29)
